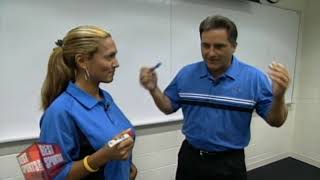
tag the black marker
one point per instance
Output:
(156, 66)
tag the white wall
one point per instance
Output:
(306, 144)
(156, 148)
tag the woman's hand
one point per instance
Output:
(133, 172)
(122, 150)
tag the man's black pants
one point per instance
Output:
(194, 164)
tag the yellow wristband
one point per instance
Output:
(87, 166)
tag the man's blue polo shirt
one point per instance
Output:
(217, 112)
(99, 121)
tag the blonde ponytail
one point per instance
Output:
(57, 78)
(62, 66)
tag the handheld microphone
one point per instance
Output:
(41, 161)
(123, 137)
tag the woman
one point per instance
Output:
(81, 117)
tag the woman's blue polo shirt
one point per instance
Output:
(217, 112)
(99, 121)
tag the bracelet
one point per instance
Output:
(87, 166)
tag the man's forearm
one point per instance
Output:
(278, 113)
(161, 100)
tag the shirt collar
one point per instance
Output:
(231, 72)
(81, 96)
(203, 70)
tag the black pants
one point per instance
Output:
(194, 164)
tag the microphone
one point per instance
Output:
(41, 161)
(115, 141)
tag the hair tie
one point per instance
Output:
(59, 42)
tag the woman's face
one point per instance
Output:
(103, 63)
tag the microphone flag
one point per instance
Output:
(41, 161)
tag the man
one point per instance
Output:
(217, 97)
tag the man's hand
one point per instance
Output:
(148, 78)
(280, 79)
(280, 82)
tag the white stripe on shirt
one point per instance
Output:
(217, 98)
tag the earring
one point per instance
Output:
(86, 75)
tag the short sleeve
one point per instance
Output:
(172, 92)
(264, 95)
(57, 127)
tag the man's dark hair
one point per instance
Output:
(220, 22)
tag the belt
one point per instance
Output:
(214, 154)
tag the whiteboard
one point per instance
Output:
(145, 31)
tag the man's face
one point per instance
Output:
(217, 50)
